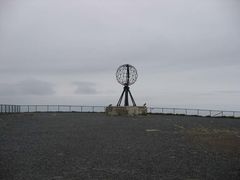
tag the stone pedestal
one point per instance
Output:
(126, 110)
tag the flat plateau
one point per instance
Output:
(73, 146)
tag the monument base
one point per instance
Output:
(126, 110)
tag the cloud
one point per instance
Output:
(27, 87)
(85, 88)
(178, 45)
(229, 92)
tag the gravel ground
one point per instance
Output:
(73, 146)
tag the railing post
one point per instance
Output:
(186, 111)
(36, 108)
(93, 109)
(151, 109)
(58, 108)
(198, 112)
(173, 110)
(222, 113)
(210, 113)
(81, 108)
(1, 108)
(233, 113)
(47, 108)
(70, 108)
(28, 108)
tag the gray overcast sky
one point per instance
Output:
(187, 52)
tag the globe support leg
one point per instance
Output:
(134, 104)
(120, 99)
(127, 92)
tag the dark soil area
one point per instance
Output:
(74, 146)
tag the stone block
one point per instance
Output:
(126, 110)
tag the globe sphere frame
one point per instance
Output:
(126, 75)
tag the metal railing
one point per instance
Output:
(194, 112)
(4, 108)
(61, 108)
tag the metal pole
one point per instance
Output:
(120, 99)
(198, 112)
(58, 108)
(126, 89)
(81, 108)
(93, 109)
(70, 108)
(36, 108)
(186, 111)
(210, 113)
(133, 102)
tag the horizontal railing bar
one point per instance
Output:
(193, 109)
(9, 108)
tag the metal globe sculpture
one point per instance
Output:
(126, 75)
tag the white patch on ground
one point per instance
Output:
(152, 130)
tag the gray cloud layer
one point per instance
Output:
(27, 87)
(177, 46)
(85, 88)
